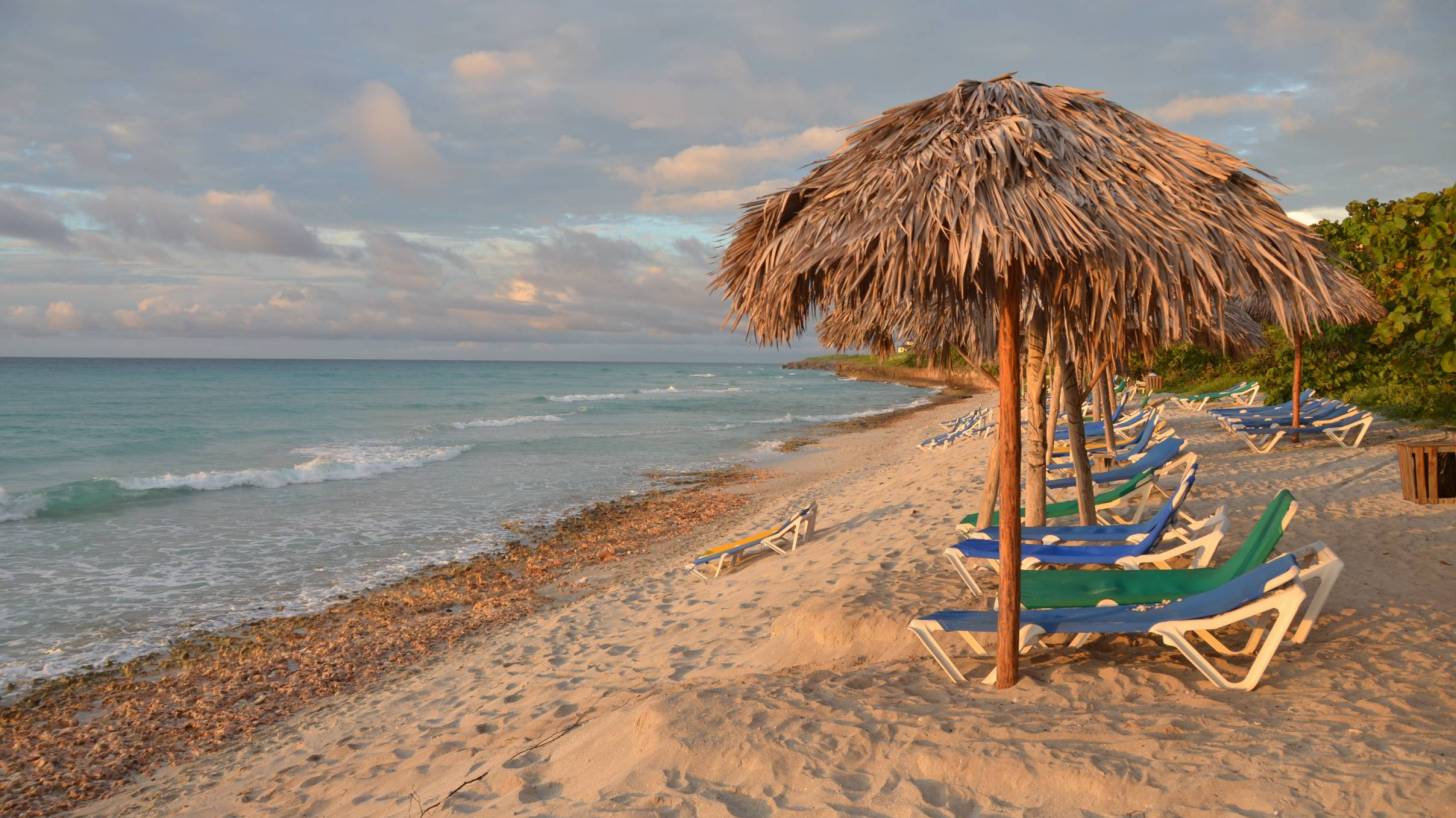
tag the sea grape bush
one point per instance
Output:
(1405, 365)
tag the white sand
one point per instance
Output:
(792, 687)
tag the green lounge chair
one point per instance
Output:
(1244, 393)
(1126, 494)
(1077, 589)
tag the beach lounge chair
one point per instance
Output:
(969, 417)
(781, 540)
(1244, 393)
(1122, 546)
(1353, 423)
(975, 424)
(1310, 412)
(1075, 589)
(1135, 491)
(1150, 433)
(1254, 411)
(1123, 427)
(1156, 457)
(1278, 587)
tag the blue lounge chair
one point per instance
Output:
(1347, 429)
(1133, 546)
(1311, 412)
(1278, 587)
(1121, 455)
(1156, 457)
(1254, 411)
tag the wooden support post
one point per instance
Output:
(1298, 385)
(1077, 439)
(1055, 384)
(993, 482)
(1103, 387)
(1036, 419)
(1008, 616)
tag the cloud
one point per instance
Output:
(400, 264)
(1185, 108)
(569, 144)
(26, 217)
(379, 124)
(1310, 215)
(714, 164)
(62, 316)
(490, 66)
(668, 183)
(244, 222)
(556, 286)
(706, 201)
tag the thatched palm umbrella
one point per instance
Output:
(1350, 303)
(962, 202)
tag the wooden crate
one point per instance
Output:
(1154, 382)
(1427, 470)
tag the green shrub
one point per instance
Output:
(1404, 366)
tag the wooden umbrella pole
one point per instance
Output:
(1008, 616)
(1055, 384)
(1036, 419)
(1298, 373)
(1096, 375)
(1077, 438)
(993, 481)
(1103, 385)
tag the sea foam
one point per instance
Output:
(578, 398)
(19, 506)
(511, 421)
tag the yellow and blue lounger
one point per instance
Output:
(782, 540)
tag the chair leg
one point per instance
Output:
(922, 632)
(965, 574)
(1029, 637)
(1284, 603)
(1325, 574)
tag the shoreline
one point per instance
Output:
(208, 691)
(791, 685)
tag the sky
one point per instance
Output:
(543, 180)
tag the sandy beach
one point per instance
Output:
(793, 687)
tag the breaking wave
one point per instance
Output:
(512, 421)
(348, 462)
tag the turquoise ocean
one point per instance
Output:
(145, 500)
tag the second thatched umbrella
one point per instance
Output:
(1000, 194)
(1351, 304)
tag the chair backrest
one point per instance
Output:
(1149, 426)
(1266, 534)
(1121, 406)
(1159, 455)
(1160, 521)
(1133, 483)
